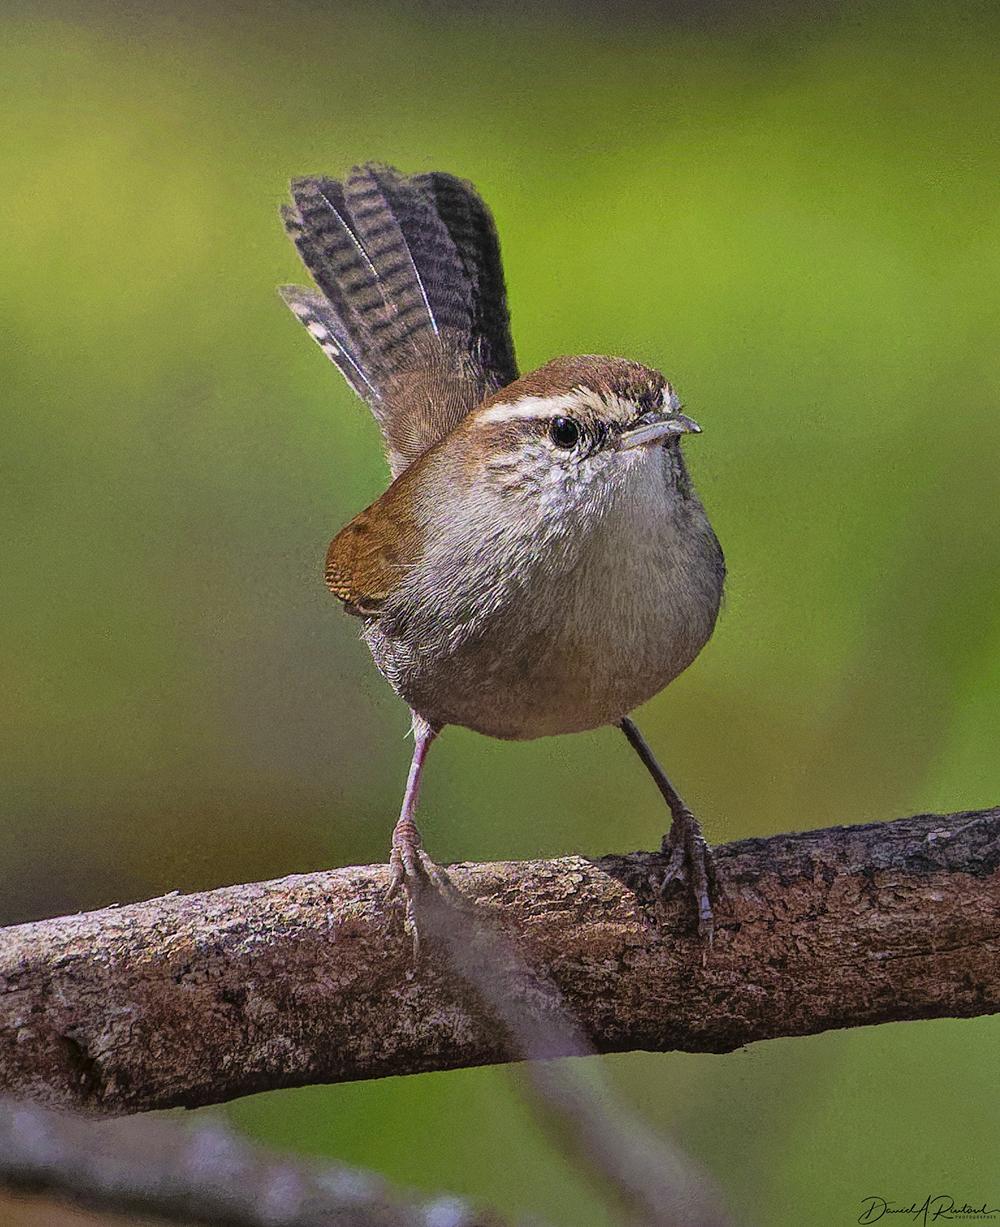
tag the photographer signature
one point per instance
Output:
(941, 1208)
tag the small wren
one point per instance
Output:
(540, 563)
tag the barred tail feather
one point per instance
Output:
(327, 329)
(411, 295)
(472, 230)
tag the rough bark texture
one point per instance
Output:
(195, 999)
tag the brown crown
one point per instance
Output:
(606, 376)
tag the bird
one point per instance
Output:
(540, 563)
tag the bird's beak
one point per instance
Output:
(658, 429)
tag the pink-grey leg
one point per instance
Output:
(410, 867)
(689, 855)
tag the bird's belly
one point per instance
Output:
(591, 646)
(534, 689)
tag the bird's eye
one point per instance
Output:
(564, 432)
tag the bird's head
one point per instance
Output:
(578, 433)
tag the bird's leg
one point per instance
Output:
(690, 856)
(410, 867)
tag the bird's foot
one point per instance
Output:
(412, 874)
(691, 861)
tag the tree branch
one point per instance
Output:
(187, 1000)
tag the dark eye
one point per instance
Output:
(564, 432)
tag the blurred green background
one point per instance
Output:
(794, 214)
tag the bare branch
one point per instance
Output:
(196, 999)
(202, 1174)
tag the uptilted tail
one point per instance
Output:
(411, 306)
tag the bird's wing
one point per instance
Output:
(369, 556)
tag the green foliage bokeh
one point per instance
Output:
(795, 218)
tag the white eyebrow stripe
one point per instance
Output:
(530, 407)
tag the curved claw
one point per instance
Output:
(675, 869)
(411, 872)
(691, 861)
